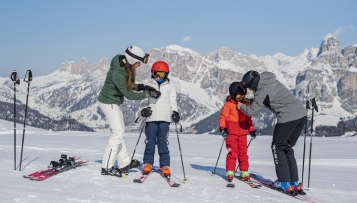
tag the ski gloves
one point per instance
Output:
(253, 134)
(146, 112)
(224, 132)
(152, 91)
(175, 116)
(145, 87)
(155, 94)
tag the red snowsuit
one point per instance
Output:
(238, 125)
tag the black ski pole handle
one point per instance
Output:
(29, 76)
(14, 77)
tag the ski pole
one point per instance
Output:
(178, 140)
(15, 78)
(131, 160)
(29, 79)
(251, 139)
(214, 171)
(303, 156)
(314, 107)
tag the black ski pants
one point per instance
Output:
(284, 160)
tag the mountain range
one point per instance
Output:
(328, 73)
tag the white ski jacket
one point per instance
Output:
(162, 107)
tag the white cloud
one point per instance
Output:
(338, 32)
(350, 27)
(187, 38)
(341, 30)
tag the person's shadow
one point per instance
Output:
(221, 172)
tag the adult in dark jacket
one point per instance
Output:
(120, 82)
(291, 118)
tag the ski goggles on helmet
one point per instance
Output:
(160, 74)
(144, 59)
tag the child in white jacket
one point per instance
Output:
(158, 113)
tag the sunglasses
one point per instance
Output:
(159, 74)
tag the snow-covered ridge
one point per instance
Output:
(72, 89)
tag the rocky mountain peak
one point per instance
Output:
(329, 45)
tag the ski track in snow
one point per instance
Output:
(333, 179)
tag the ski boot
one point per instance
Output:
(71, 161)
(113, 171)
(147, 169)
(230, 175)
(53, 164)
(245, 175)
(134, 164)
(298, 188)
(166, 171)
(284, 186)
(62, 162)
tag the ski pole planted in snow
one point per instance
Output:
(184, 176)
(15, 78)
(214, 171)
(28, 80)
(303, 156)
(136, 145)
(314, 107)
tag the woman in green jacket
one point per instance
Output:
(120, 82)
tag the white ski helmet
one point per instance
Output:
(134, 54)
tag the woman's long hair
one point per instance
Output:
(131, 73)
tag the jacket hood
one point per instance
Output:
(266, 78)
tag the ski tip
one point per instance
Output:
(175, 185)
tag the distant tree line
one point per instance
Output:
(36, 119)
(348, 124)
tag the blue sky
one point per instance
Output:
(40, 34)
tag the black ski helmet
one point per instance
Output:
(251, 79)
(236, 88)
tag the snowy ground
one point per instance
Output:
(333, 170)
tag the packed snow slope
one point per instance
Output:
(333, 169)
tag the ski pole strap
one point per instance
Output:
(14, 77)
(29, 76)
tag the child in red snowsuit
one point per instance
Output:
(234, 126)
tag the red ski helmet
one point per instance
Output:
(160, 69)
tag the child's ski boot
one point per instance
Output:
(147, 169)
(230, 175)
(245, 175)
(166, 171)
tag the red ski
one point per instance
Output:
(43, 171)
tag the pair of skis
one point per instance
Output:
(143, 177)
(55, 168)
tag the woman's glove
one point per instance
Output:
(145, 87)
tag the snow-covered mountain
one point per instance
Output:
(329, 73)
